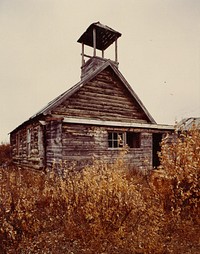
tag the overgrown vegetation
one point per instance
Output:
(104, 208)
(5, 154)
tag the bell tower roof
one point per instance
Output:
(98, 37)
(105, 36)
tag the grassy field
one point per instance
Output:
(105, 208)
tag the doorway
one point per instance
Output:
(157, 138)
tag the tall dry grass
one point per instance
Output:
(178, 182)
(105, 208)
(5, 154)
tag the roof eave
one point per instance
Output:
(87, 121)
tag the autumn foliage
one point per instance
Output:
(5, 154)
(105, 208)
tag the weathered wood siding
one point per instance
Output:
(28, 147)
(83, 143)
(53, 143)
(103, 98)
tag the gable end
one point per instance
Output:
(104, 97)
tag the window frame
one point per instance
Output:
(115, 137)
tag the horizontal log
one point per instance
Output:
(97, 100)
(103, 107)
(100, 115)
(118, 87)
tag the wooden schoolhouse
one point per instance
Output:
(96, 118)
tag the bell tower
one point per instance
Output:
(99, 37)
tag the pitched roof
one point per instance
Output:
(188, 123)
(64, 96)
(105, 36)
(58, 100)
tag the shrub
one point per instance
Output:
(105, 208)
(180, 162)
(177, 181)
(101, 209)
(5, 154)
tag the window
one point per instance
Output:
(39, 136)
(28, 142)
(120, 139)
(133, 139)
(115, 139)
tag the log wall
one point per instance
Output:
(28, 146)
(84, 143)
(103, 98)
(53, 143)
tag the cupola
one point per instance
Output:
(99, 37)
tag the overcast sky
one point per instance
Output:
(159, 53)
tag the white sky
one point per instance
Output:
(159, 53)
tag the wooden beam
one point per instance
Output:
(86, 56)
(102, 53)
(118, 124)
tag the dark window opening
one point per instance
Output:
(133, 139)
(157, 138)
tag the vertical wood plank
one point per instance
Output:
(83, 62)
(94, 40)
(116, 53)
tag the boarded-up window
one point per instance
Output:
(40, 140)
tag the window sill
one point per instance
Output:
(116, 148)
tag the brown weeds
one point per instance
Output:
(105, 208)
